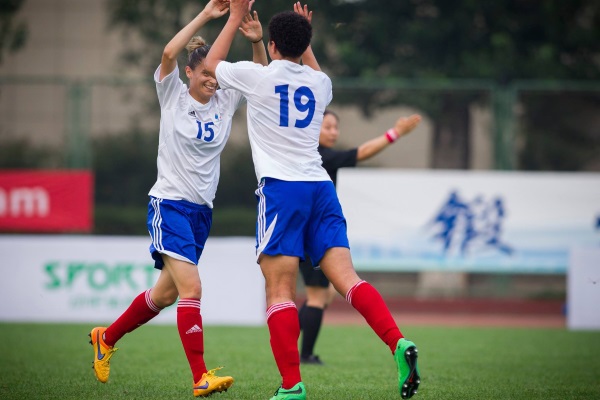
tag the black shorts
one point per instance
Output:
(312, 276)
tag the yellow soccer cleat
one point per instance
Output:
(102, 354)
(210, 383)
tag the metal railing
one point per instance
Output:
(502, 103)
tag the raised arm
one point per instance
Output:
(308, 58)
(220, 48)
(402, 127)
(252, 30)
(214, 9)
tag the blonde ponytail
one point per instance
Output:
(194, 43)
(197, 51)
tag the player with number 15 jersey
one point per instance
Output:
(194, 127)
(192, 137)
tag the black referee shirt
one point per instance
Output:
(336, 159)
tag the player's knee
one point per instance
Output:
(171, 299)
(165, 299)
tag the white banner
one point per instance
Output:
(468, 220)
(583, 289)
(94, 279)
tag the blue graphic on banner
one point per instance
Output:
(471, 221)
(470, 226)
(597, 225)
(475, 235)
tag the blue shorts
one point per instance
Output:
(295, 218)
(178, 229)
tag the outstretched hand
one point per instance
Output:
(216, 8)
(237, 8)
(251, 27)
(298, 9)
(404, 125)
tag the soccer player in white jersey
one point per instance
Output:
(194, 127)
(298, 208)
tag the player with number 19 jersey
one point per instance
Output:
(192, 137)
(298, 209)
(286, 102)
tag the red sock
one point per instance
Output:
(140, 311)
(284, 328)
(189, 324)
(367, 301)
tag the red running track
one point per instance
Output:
(460, 312)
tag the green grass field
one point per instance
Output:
(51, 361)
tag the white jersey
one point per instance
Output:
(286, 102)
(192, 137)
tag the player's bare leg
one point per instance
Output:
(189, 324)
(337, 266)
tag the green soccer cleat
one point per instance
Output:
(102, 354)
(408, 372)
(298, 392)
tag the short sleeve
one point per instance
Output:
(329, 86)
(169, 89)
(241, 76)
(231, 99)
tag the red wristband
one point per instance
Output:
(391, 135)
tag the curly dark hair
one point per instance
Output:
(291, 33)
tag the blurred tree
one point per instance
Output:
(378, 40)
(155, 22)
(238, 179)
(124, 171)
(435, 39)
(13, 31)
(22, 153)
(125, 168)
(567, 139)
